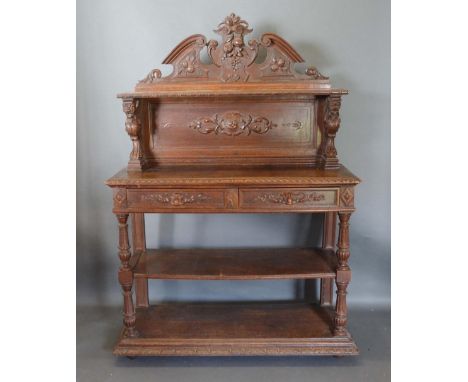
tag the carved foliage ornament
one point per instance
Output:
(235, 123)
(232, 124)
(176, 199)
(290, 198)
(234, 59)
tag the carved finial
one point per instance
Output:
(234, 57)
(233, 24)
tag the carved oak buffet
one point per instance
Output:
(234, 136)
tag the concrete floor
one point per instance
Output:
(98, 328)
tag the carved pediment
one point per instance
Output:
(233, 59)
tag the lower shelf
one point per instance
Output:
(225, 329)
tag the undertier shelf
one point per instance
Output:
(237, 264)
(235, 328)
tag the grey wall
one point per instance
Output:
(118, 42)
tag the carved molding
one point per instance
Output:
(233, 59)
(176, 199)
(241, 350)
(290, 198)
(203, 181)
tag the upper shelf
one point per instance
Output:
(235, 67)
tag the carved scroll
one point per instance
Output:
(233, 60)
(290, 198)
(232, 124)
(176, 199)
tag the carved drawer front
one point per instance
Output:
(182, 199)
(288, 198)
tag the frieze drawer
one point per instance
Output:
(183, 199)
(288, 198)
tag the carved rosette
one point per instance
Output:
(347, 196)
(133, 126)
(120, 198)
(232, 124)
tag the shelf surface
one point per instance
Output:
(237, 264)
(247, 328)
(229, 176)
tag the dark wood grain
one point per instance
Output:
(256, 328)
(233, 111)
(241, 132)
(237, 264)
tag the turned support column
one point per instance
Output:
(343, 275)
(139, 245)
(126, 277)
(328, 242)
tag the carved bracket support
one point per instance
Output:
(331, 124)
(133, 128)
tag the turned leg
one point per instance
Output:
(126, 277)
(328, 242)
(139, 244)
(343, 275)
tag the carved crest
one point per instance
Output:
(233, 60)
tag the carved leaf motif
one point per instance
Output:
(290, 198)
(176, 199)
(315, 74)
(232, 124)
(233, 59)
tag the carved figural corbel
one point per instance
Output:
(331, 125)
(133, 127)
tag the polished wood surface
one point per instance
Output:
(234, 110)
(248, 176)
(242, 133)
(237, 264)
(253, 328)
